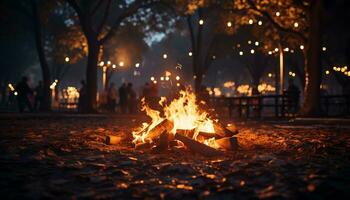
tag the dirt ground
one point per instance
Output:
(66, 157)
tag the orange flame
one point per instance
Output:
(183, 112)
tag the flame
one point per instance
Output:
(183, 112)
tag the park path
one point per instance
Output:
(44, 156)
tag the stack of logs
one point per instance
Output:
(163, 139)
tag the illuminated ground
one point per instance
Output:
(65, 157)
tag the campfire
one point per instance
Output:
(184, 123)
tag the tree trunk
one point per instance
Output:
(45, 104)
(91, 74)
(311, 104)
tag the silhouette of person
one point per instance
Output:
(146, 92)
(24, 91)
(123, 98)
(131, 99)
(112, 97)
(39, 95)
(293, 93)
(82, 97)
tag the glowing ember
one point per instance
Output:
(183, 113)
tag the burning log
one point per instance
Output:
(111, 139)
(198, 147)
(223, 131)
(165, 125)
(185, 132)
(143, 146)
(227, 143)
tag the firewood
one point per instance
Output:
(198, 147)
(143, 146)
(165, 125)
(185, 132)
(222, 131)
(227, 143)
(111, 139)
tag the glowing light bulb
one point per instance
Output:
(296, 25)
(121, 63)
(137, 65)
(278, 14)
(229, 24)
(201, 22)
(67, 59)
(302, 47)
(152, 78)
(252, 51)
(327, 72)
(256, 43)
(165, 56)
(250, 21)
(324, 49)
(241, 53)
(276, 49)
(260, 23)
(190, 53)
(177, 78)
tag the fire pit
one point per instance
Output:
(182, 123)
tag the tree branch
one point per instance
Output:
(99, 3)
(105, 17)
(276, 24)
(127, 13)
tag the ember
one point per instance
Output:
(183, 120)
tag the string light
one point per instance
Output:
(256, 43)
(152, 78)
(241, 53)
(278, 14)
(296, 24)
(269, 75)
(327, 72)
(286, 49)
(162, 78)
(252, 51)
(324, 49)
(201, 22)
(276, 49)
(229, 24)
(66, 59)
(109, 62)
(177, 78)
(301, 47)
(114, 66)
(137, 65)
(249, 42)
(270, 52)
(260, 23)
(165, 56)
(121, 64)
(190, 53)
(102, 63)
(250, 21)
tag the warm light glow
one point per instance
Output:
(249, 42)
(109, 62)
(270, 52)
(252, 51)
(278, 14)
(276, 49)
(177, 78)
(162, 78)
(301, 47)
(155, 82)
(167, 78)
(11, 87)
(137, 65)
(165, 56)
(121, 64)
(167, 73)
(182, 112)
(260, 23)
(270, 75)
(178, 84)
(114, 66)
(152, 78)
(286, 49)
(102, 63)
(217, 92)
(244, 89)
(214, 57)
(296, 24)
(201, 22)
(190, 53)
(327, 72)
(324, 49)
(256, 43)
(15, 93)
(229, 84)
(241, 53)
(67, 59)
(229, 24)
(250, 21)
(264, 88)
